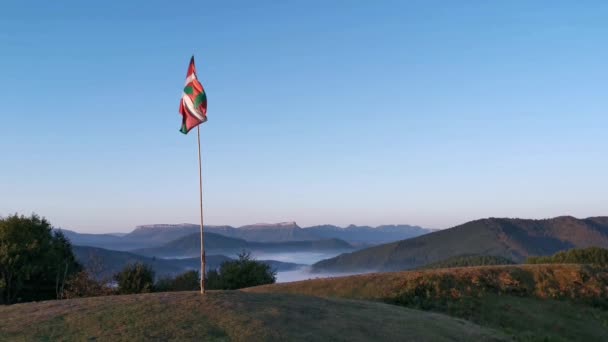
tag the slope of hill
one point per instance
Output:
(105, 263)
(518, 300)
(540, 281)
(188, 246)
(513, 239)
(230, 316)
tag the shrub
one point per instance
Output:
(82, 284)
(188, 281)
(135, 278)
(240, 273)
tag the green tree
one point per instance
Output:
(240, 273)
(35, 261)
(135, 278)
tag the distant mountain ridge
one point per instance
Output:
(189, 245)
(366, 234)
(290, 231)
(513, 239)
(154, 235)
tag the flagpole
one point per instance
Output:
(200, 178)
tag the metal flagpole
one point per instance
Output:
(200, 178)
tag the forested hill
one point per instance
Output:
(514, 239)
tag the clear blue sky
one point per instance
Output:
(422, 112)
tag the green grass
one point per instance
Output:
(532, 319)
(526, 302)
(229, 316)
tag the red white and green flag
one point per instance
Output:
(193, 105)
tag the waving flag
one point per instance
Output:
(193, 105)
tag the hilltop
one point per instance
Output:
(230, 315)
(514, 239)
(526, 302)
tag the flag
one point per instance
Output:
(193, 105)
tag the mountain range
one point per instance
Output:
(189, 246)
(157, 234)
(514, 239)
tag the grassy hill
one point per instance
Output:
(189, 245)
(513, 239)
(230, 316)
(527, 302)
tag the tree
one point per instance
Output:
(135, 278)
(240, 273)
(35, 261)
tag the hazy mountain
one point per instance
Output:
(267, 232)
(156, 234)
(216, 243)
(104, 263)
(98, 240)
(514, 239)
(367, 235)
(146, 236)
(141, 237)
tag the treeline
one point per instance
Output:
(231, 275)
(38, 263)
(469, 260)
(592, 255)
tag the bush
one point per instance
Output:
(82, 284)
(135, 278)
(189, 281)
(240, 273)
(35, 261)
